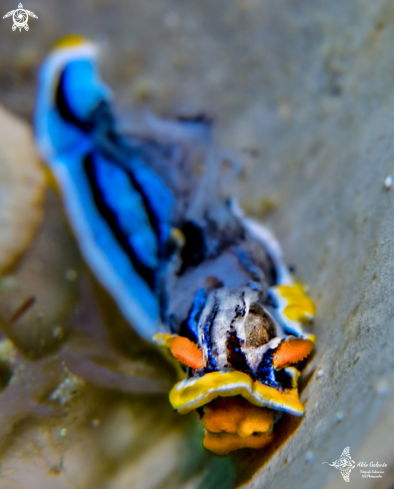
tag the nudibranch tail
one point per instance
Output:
(119, 209)
(72, 40)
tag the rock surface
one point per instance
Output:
(303, 91)
(22, 188)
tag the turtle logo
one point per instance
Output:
(344, 464)
(20, 16)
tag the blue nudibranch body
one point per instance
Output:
(186, 268)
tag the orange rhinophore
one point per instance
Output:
(187, 352)
(291, 351)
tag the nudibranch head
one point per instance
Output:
(240, 366)
(195, 392)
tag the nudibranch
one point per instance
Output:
(186, 267)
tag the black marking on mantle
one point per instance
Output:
(235, 356)
(206, 336)
(110, 218)
(267, 374)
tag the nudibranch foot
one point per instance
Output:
(232, 423)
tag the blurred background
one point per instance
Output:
(302, 93)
